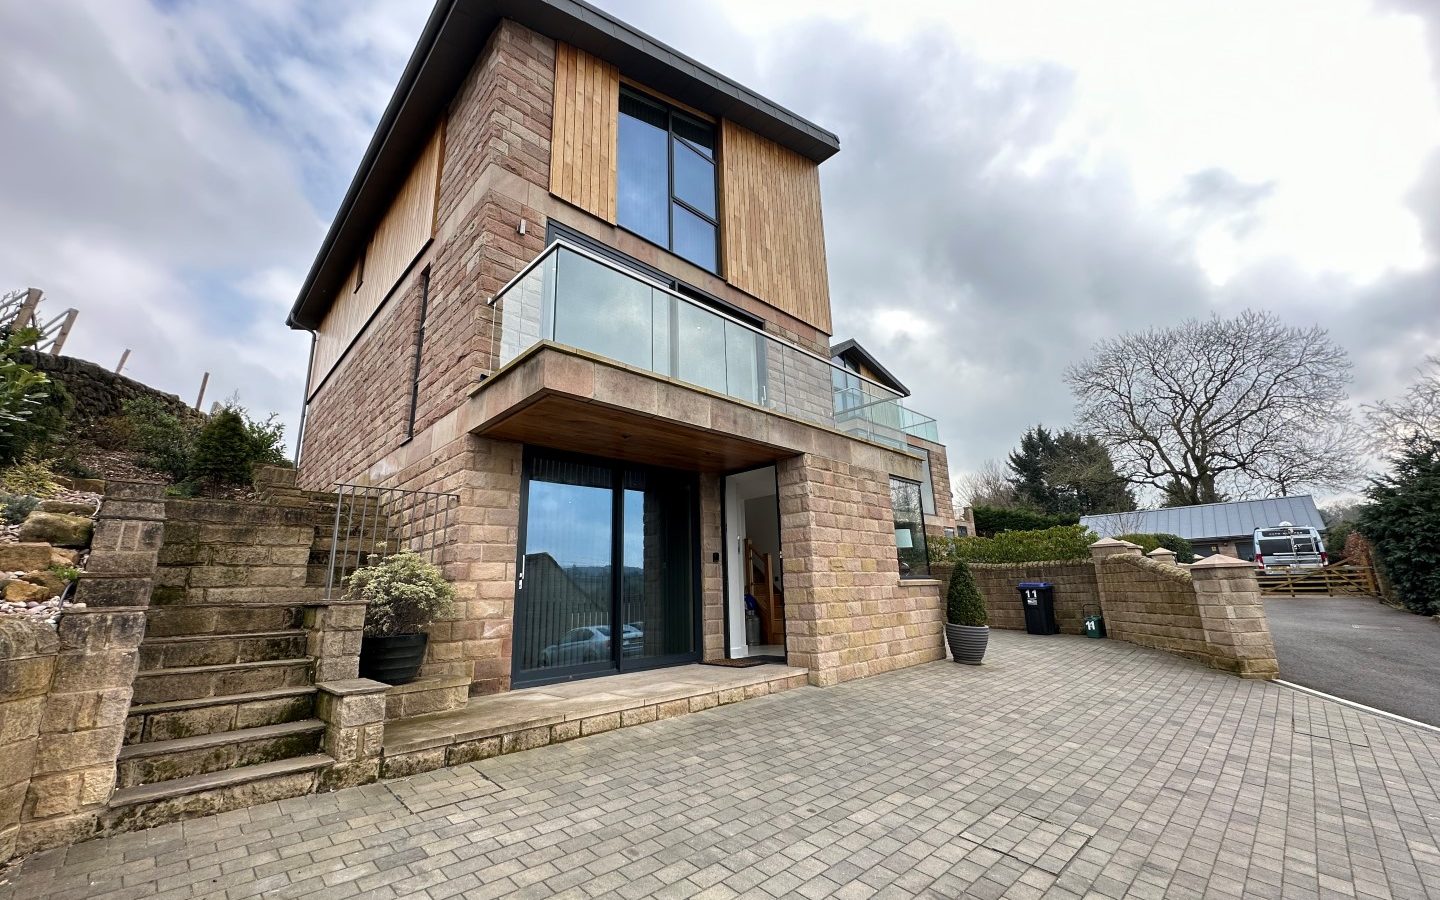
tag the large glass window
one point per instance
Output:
(927, 485)
(666, 179)
(909, 528)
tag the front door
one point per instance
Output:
(607, 569)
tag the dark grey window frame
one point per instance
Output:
(924, 550)
(671, 114)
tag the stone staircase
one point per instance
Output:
(223, 711)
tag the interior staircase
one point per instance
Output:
(762, 583)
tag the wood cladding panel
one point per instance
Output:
(403, 232)
(586, 119)
(774, 241)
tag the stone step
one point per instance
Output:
(194, 682)
(157, 761)
(146, 806)
(295, 593)
(210, 715)
(214, 650)
(222, 618)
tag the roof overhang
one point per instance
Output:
(852, 347)
(448, 47)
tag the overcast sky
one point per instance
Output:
(1015, 179)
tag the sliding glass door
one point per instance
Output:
(607, 569)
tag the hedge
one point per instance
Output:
(1062, 542)
(992, 520)
(1184, 553)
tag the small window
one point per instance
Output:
(927, 487)
(665, 183)
(909, 528)
(949, 532)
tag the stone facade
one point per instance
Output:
(27, 664)
(848, 614)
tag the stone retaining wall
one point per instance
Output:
(27, 663)
(97, 391)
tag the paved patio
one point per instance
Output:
(1064, 767)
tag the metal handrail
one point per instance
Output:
(394, 522)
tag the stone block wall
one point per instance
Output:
(91, 660)
(847, 612)
(1211, 612)
(27, 664)
(1075, 590)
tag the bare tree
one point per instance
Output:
(989, 486)
(1221, 408)
(1414, 414)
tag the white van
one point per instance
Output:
(1287, 546)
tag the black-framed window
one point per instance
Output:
(666, 185)
(909, 516)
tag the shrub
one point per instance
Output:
(22, 389)
(231, 445)
(1402, 520)
(404, 593)
(36, 434)
(1184, 553)
(32, 477)
(112, 433)
(161, 438)
(991, 520)
(69, 464)
(1059, 543)
(224, 449)
(963, 603)
(65, 573)
(16, 507)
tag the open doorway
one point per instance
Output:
(754, 587)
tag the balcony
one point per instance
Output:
(572, 297)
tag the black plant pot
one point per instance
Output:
(393, 660)
(968, 642)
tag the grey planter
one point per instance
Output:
(968, 642)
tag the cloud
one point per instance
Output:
(170, 170)
(1012, 186)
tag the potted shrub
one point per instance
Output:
(403, 593)
(965, 617)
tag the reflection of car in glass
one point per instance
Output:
(589, 643)
(1289, 546)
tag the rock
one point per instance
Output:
(60, 557)
(25, 557)
(23, 590)
(57, 528)
(48, 580)
(67, 507)
(89, 485)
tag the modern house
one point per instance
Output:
(1211, 528)
(579, 283)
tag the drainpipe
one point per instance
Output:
(305, 399)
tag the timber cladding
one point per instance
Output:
(405, 231)
(586, 119)
(774, 243)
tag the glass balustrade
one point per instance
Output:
(572, 297)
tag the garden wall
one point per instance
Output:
(97, 391)
(27, 663)
(1075, 590)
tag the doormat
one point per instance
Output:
(744, 662)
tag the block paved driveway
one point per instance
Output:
(1360, 649)
(1065, 767)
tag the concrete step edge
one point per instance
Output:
(194, 784)
(221, 738)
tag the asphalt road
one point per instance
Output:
(1359, 649)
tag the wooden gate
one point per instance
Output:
(1334, 579)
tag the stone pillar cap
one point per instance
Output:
(1162, 551)
(1112, 542)
(1221, 561)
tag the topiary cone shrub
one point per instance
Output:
(963, 603)
(966, 630)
